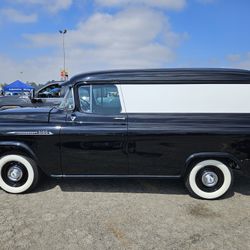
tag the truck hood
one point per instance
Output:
(25, 115)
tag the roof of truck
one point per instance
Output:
(175, 75)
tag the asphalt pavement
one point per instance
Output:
(123, 214)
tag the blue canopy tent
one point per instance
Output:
(17, 87)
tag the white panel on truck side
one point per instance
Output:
(186, 98)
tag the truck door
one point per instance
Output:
(94, 136)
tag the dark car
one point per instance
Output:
(49, 95)
(192, 124)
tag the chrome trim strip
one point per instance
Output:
(40, 132)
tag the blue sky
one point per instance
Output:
(120, 34)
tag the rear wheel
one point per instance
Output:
(209, 179)
(18, 174)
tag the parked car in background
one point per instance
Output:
(49, 95)
(192, 124)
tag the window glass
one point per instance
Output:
(100, 99)
(68, 100)
(84, 95)
(106, 99)
(63, 91)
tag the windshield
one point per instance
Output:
(68, 100)
(63, 91)
(49, 91)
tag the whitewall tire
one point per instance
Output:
(209, 179)
(18, 174)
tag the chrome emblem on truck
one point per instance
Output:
(39, 132)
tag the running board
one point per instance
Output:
(120, 176)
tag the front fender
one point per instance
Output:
(10, 146)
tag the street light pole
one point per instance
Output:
(63, 32)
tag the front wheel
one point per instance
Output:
(18, 174)
(209, 179)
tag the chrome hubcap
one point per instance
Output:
(15, 173)
(209, 179)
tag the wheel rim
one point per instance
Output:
(209, 178)
(15, 173)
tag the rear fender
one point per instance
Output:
(236, 163)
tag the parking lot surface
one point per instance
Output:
(124, 214)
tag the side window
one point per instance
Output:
(100, 99)
(106, 99)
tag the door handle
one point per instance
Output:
(120, 118)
